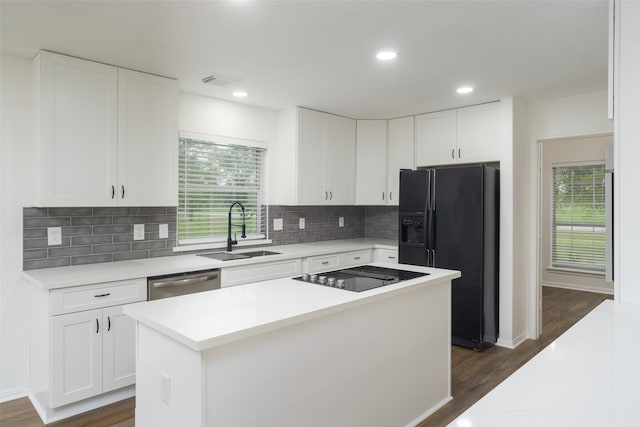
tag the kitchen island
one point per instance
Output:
(287, 353)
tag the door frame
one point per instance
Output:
(535, 225)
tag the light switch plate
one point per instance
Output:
(301, 224)
(277, 224)
(341, 221)
(138, 231)
(164, 231)
(54, 236)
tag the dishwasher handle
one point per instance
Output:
(184, 282)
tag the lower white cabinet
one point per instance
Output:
(118, 349)
(387, 255)
(258, 272)
(321, 263)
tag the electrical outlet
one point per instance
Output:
(138, 231)
(301, 224)
(54, 236)
(165, 388)
(341, 221)
(277, 224)
(164, 231)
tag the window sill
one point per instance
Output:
(575, 272)
(221, 245)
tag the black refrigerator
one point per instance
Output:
(449, 219)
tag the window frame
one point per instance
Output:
(219, 241)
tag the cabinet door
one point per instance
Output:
(311, 157)
(400, 155)
(436, 138)
(371, 162)
(340, 160)
(479, 133)
(119, 350)
(78, 131)
(76, 356)
(147, 140)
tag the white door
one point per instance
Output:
(436, 138)
(311, 137)
(76, 356)
(119, 351)
(340, 160)
(478, 133)
(400, 155)
(78, 131)
(147, 140)
(371, 162)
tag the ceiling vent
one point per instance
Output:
(222, 80)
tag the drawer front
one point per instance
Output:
(322, 263)
(355, 258)
(259, 272)
(387, 255)
(80, 298)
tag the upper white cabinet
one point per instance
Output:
(104, 136)
(400, 154)
(383, 147)
(464, 135)
(314, 161)
(371, 165)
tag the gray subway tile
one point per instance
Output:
(108, 211)
(150, 228)
(115, 247)
(91, 220)
(130, 219)
(69, 251)
(91, 240)
(148, 245)
(76, 231)
(153, 210)
(34, 212)
(70, 212)
(154, 253)
(162, 219)
(172, 210)
(124, 256)
(121, 238)
(32, 233)
(42, 243)
(46, 222)
(91, 259)
(34, 254)
(45, 263)
(112, 229)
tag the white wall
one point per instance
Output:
(627, 153)
(15, 83)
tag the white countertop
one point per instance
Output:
(588, 377)
(63, 277)
(208, 319)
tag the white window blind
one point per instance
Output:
(578, 217)
(212, 176)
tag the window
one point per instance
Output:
(578, 217)
(213, 174)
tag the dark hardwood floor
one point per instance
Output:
(472, 374)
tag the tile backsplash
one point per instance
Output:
(95, 235)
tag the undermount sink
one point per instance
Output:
(226, 256)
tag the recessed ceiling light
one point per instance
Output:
(464, 89)
(240, 94)
(386, 55)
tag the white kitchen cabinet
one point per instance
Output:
(104, 136)
(316, 264)
(83, 346)
(314, 160)
(350, 259)
(465, 135)
(400, 154)
(258, 272)
(371, 164)
(387, 255)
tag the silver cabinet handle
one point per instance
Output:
(356, 258)
(184, 282)
(383, 195)
(325, 262)
(390, 195)
(391, 257)
(459, 152)
(453, 153)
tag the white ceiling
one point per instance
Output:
(321, 54)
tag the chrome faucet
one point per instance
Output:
(231, 242)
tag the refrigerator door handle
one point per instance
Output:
(433, 257)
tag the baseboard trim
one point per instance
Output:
(13, 394)
(572, 287)
(49, 415)
(512, 344)
(429, 412)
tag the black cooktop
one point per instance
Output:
(358, 279)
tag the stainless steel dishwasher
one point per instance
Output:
(173, 285)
